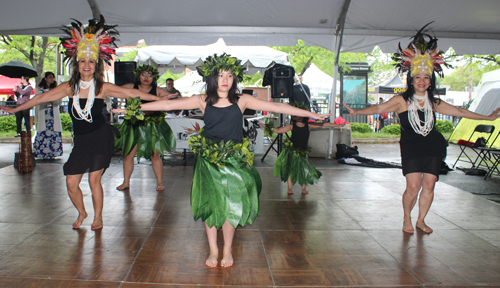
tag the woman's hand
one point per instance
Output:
(495, 114)
(9, 110)
(352, 112)
(118, 110)
(320, 116)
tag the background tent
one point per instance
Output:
(395, 85)
(189, 84)
(7, 84)
(318, 81)
(484, 101)
(178, 57)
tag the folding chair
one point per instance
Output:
(486, 155)
(495, 156)
(465, 145)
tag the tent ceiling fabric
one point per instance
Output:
(467, 26)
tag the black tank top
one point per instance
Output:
(152, 92)
(81, 126)
(300, 136)
(223, 123)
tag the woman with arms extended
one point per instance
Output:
(48, 140)
(226, 186)
(422, 147)
(87, 48)
(149, 137)
(292, 165)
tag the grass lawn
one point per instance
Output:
(12, 133)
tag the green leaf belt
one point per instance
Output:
(219, 152)
(296, 151)
(135, 116)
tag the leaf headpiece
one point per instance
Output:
(214, 64)
(95, 40)
(420, 56)
(151, 69)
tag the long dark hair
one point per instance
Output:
(213, 84)
(43, 83)
(75, 76)
(408, 94)
(27, 80)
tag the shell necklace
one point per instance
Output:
(85, 113)
(421, 127)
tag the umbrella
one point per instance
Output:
(16, 69)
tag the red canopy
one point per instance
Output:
(7, 84)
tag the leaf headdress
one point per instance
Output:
(151, 69)
(214, 64)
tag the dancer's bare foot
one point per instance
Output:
(407, 227)
(79, 220)
(421, 225)
(290, 192)
(227, 260)
(97, 224)
(305, 192)
(160, 187)
(123, 187)
(212, 260)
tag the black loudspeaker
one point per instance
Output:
(124, 72)
(248, 111)
(282, 83)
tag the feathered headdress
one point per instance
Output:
(95, 40)
(420, 56)
(214, 64)
(150, 69)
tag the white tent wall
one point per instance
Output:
(484, 101)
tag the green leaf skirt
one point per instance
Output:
(228, 193)
(288, 164)
(148, 138)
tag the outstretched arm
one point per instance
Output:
(394, 104)
(279, 130)
(185, 103)
(447, 109)
(325, 124)
(113, 90)
(256, 104)
(57, 93)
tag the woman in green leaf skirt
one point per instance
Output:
(226, 186)
(292, 165)
(146, 137)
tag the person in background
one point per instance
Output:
(23, 93)
(48, 140)
(148, 138)
(379, 118)
(171, 90)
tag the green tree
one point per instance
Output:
(39, 52)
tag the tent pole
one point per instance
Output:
(338, 43)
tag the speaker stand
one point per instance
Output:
(278, 139)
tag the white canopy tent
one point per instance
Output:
(178, 57)
(318, 81)
(189, 84)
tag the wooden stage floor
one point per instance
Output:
(345, 233)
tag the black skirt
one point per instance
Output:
(92, 151)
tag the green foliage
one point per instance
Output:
(130, 56)
(444, 127)
(8, 123)
(393, 129)
(361, 127)
(66, 122)
(269, 129)
(37, 51)
(214, 64)
(219, 152)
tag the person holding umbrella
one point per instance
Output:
(23, 93)
(88, 48)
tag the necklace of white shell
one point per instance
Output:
(421, 127)
(84, 114)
